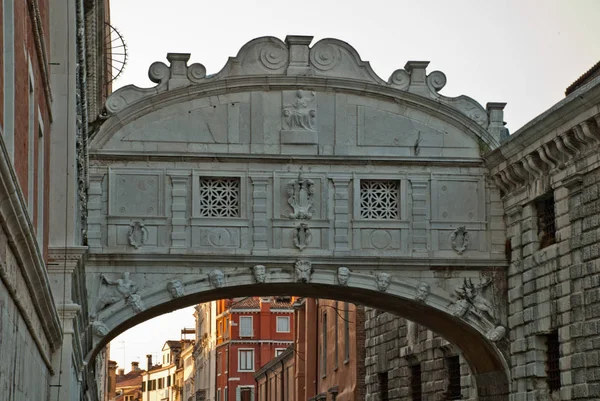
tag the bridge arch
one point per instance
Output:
(303, 160)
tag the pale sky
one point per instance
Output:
(522, 52)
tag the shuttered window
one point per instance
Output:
(246, 360)
(283, 324)
(246, 326)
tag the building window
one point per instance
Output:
(454, 389)
(143, 387)
(384, 394)
(31, 145)
(279, 351)
(219, 363)
(283, 324)
(161, 383)
(336, 354)
(552, 361)
(219, 197)
(225, 394)
(546, 224)
(324, 346)
(246, 394)
(218, 394)
(169, 381)
(415, 382)
(379, 200)
(246, 326)
(41, 172)
(347, 333)
(246, 360)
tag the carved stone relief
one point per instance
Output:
(470, 298)
(137, 195)
(343, 275)
(138, 234)
(460, 239)
(216, 278)
(99, 329)
(301, 194)
(299, 118)
(496, 334)
(259, 272)
(123, 288)
(422, 292)
(303, 269)
(383, 281)
(302, 236)
(136, 303)
(175, 288)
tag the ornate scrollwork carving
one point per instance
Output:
(400, 79)
(138, 234)
(436, 81)
(303, 270)
(301, 114)
(343, 275)
(301, 197)
(196, 72)
(302, 236)
(383, 281)
(460, 239)
(158, 72)
(325, 56)
(273, 57)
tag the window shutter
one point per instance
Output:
(238, 394)
(169, 381)
(252, 394)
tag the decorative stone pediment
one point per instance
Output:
(301, 72)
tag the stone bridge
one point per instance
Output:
(297, 170)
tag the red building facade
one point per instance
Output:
(250, 333)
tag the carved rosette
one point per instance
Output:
(460, 239)
(302, 236)
(138, 234)
(303, 270)
(301, 194)
(273, 57)
(325, 56)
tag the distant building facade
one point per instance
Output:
(159, 381)
(205, 351)
(128, 386)
(326, 361)
(250, 333)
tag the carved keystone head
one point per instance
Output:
(496, 334)
(135, 301)
(383, 281)
(343, 275)
(303, 270)
(175, 288)
(422, 291)
(260, 273)
(217, 278)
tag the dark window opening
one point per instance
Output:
(546, 220)
(415, 382)
(454, 389)
(384, 394)
(552, 361)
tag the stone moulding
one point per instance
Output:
(328, 58)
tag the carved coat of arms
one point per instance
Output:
(301, 194)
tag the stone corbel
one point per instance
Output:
(531, 166)
(509, 182)
(562, 148)
(590, 131)
(545, 156)
(500, 183)
(570, 144)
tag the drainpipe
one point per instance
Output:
(316, 343)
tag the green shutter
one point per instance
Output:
(238, 394)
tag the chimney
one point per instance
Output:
(121, 372)
(135, 366)
(149, 359)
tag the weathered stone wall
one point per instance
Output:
(394, 344)
(23, 373)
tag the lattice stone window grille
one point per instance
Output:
(219, 197)
(379, 199)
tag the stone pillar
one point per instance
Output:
(341, 217)
(95, 215)
(420, 216)
(179, 209)
(260, 216)
(62, 385)
(298, 51)
(418, 77)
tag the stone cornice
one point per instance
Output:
(537, 159)
(181, 260)
(22, 240)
